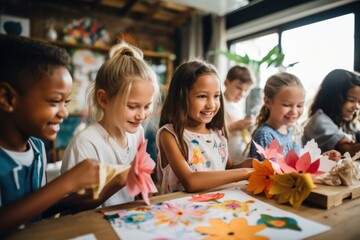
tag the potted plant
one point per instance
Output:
(274, 58)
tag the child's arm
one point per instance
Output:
(247, 163)
(83, 175)
(75, 202)
(196, 181)
(240, 124)
(347, 145)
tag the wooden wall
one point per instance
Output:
(148, 35)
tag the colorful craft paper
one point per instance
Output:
(235, 214)
(290, 177)
(139, 178)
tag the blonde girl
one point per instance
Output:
(122, 97)
(284, 97)
(192, 136)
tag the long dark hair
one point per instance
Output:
(176, 104)
(332, 94)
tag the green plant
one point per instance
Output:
(273, 58)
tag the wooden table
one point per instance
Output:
(344, 220)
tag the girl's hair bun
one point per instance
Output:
(124, 49)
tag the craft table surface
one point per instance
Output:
(344, 220)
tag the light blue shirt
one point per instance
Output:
(265, 134)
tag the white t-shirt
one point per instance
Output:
(94, 142)
(234, 112)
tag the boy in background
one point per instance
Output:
(237, 83)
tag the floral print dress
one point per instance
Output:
(206, 152)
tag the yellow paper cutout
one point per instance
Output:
(292, 187)
(106, 173)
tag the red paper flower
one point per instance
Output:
(139, 178)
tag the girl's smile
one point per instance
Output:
(352, 103)
(204, 100)
(286, 107)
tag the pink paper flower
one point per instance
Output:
(272, 152)
(139, 178)
(302, 164)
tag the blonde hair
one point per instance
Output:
(273, 85)
(116, 76)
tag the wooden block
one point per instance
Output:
(331, 196)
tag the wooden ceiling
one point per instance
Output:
(147, 10)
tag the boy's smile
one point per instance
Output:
(42, 108)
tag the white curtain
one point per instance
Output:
(192, 42)
(192, 39)
(218, 42)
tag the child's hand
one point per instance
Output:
(122, 177)
(245, 173)
(84, 175)
(243, 123)
(332, 154)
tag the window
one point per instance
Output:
(318, 47)
(256, 48)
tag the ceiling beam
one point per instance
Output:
(153, 11)
(125, 10)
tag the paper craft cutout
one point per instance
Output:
(292, 187)
(139, 178)
(315, 153)
(106, 173)
(206, 197)
(288, 177)
(181, 218)
(271, 152)
(279, 222)
(260, 180)
(302, 164)
(345, 172)
(238, 228)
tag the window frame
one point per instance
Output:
(332, 13)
